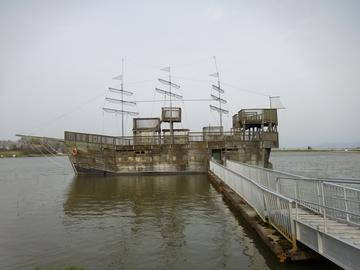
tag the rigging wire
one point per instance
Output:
(141, 63)
(228, 84)
(92, 99)
(246, 90)
(62, 115)
(139, 82)
(164, 100)
(47, 145)
(152, 105)
(45, 155)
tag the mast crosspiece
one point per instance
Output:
(217, 88)
(120, 91)
(222, 101)
(110, 110)
(176, 86)
(114, 100)
(167, 93)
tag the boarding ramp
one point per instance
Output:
(323, 214)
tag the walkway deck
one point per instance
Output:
(338, 229)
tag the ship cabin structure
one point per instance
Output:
(157, 146)
(260, 124)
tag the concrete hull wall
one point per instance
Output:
(176, 158)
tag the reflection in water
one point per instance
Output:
(165, 222)
(157, 214)
(52, 220)
(132, 194)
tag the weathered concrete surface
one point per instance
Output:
(170, 158)
(280, 246)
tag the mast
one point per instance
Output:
(171, 122)
(121, 101)
(170, 94)
(218, 81)
(218, 98)
(122, 96)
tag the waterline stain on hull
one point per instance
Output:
(84, 171)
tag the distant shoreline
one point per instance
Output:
(317, 150)
(15, 153)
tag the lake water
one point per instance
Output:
(51, 219)
(318, 164)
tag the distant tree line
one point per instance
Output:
(28, 146)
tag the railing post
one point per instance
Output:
(242, 187)
(292, 227)
(268, 179)
(346, 205)
(277, 185)
(265, 206)
(318, 195)
(296, 190)
(277, 191)
(323, 204)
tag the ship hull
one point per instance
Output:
(182, 158)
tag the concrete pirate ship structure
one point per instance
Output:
(157, 146)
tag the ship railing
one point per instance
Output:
(338, 198)
(257, 115)
(271, 207)
(192, 137)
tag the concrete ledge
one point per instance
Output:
(280, 246)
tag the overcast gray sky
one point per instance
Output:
(57, 59)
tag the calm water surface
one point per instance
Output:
(318, 164)
(49, 218)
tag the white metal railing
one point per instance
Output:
(300, 197)
(331, 197)
(270, 206)
(263, 176)
(333, 200)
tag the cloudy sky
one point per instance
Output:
(58, 58)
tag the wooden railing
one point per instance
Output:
(192, 137)
(249, 115)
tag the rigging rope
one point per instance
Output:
(45, 155)
(62, 115)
